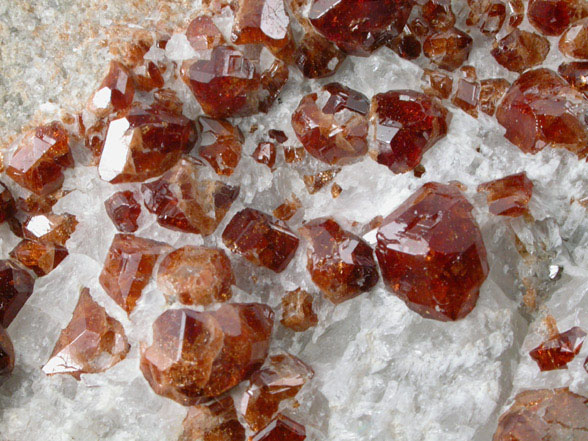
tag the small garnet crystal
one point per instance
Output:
(265, 153)
(92, 341)
(281, 428)
(574, 42)
(439, 84)
(297, 312)
(317, 57)
(7, 204)
(340, 263)
(552, 17)
(116, 92)
(50, 228)
(544, 414)
(144, 144)
(508, 196)
(332, 125)
(288, 209)
(448, 49)
(199, 355)
(6, 355)
(559, 350)
(438, 14)
(124, 210)
(128, 268)
(520, 50)
(280, 380)
(491, 92)
(407, 124)
(185, 203)
(431, 253)
(542, 109)
(576, 74)
(16, 286)
(40, 158)
(220, 144)
(214, 421)
(359, 28)
(203, 34)
(261, 239)
(196, 275)
(40, 257)
(467, 96)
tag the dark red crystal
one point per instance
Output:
(16, 286)
(559, 350)
(281, 428)
(124, 210)
(220, 144)
(6, 355)
(520, 50)
(448, 49)
(508, 196)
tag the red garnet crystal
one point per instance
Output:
(272, 81)
(6, 355)
(467, 96)
(225, 84)
(318, 181)
(448, 49)
(203, 34)
(50, 228)
(520, 50)
(7, 204)
(431, 253)
(265, 153)
(278, 136)
(281, 428)
(124, 210)
(508, 196)
(332, 125)
(16, 286)
(552, 17)
(214, 421)
(199, 355)
(144, 144)
(491, 92)
(340, 263)
(185, 203)
(406, 45)
(559, 350)
(544, 414)
(92, 341)
(116, 92)
(438, 14)
(40, 257)
(489, 15)
(297, 312)
(196, 275)
(280, 380)
(576, 74)
(317, 57)
(149, 76)
(220, 144)
(359, 27)
(40, 158)
(407, 124)
(264, 22)
(261, 239)
(288, 209)
(574, 42)
(439, 84)
(128, 268)
(541, 109)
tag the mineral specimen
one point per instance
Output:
(116, 92)
(196, 356)
(92, 341)
(40, 158)
(16, 286)
(203, 34)
(6, 355)
(491, 92)
(281, 428)
(340, 263)
(7, 204)
(220, 144)
(406, 45)
(261, 239)
(467, 96)
(439, 84)
(124, 210)
(508, 196)
(149, 76)
(332, 124)
(574, 42)
(448, 49)
(128, 268)
(316, 182)
(552, 17)
(185, 203)
(40, 257)
(265, 153)
(288, 209)
(293, 155)
(520, 50)
(196, 275)
(431, 253)
(407, 124)
(281, 379)
(438, 14)
(317, 57)
(272, 82)
(50, 228)
(576, 74)
(559, 350)
(278, 136)
(214, 421)
(297, 312)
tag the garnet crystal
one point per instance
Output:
(214, 421)
(508, 196)
(574, 42)
(281, 428)
(116, 92)
(16, 286)
(448, 49)
(297, 312)
(520, 50)
(124, 210)
(6, 355)
(220, 144)
(559, 350)
(40, 257)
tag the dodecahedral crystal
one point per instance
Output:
(261, 239)
(16, 286)
(439, 83)
(552, 17)
(273, 81)
(40, 257)
(438, 14)
(317, 57)
(196, 356)
(508, 196)
(116, 92)
(576, 74)
(124, 210)
(340, 263)
(203, 34)
(214, 421)
(448, 49)
(50, 228)
(288, 209)
(265, 153)
(220, 144)
(6, 355)
(196, 275)
(574, 42)
(520, 50)
(281, 428)
(559, 350)
(297, 312)
(491, 92)
(92, 341)
(431, 253)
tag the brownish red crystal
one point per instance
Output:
(116, 92)
(491, 92)
(448, 49)
(281, 428)
(574, 42)
(273, 81)
(317, 57)
(559, 350)
(508, 196)
(318, 181)
(520, 50)
(288, 209)
(40, 159)
(576, 74)
(467, 96)
(16, 286)
(407, 124)
(40, 257)
(92, 342)
(203, 34)
(438, 14)
(128, 268)
(220, 144)
(7, 204)
(196, 356)
(265, 153)
(183, 202)
(340, 263)
(332, 124)
(196, 275)
(297, 312)
(124, 210)
(50, 228)
(281, 379)
(261, 239)
(6, 355)
(214, 421)
(439, 84)
(552, 17)
(431, 253)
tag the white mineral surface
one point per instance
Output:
(382, 372)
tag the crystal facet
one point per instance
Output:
(297, 312)
(448, 49)
(214, 421)
(574, 42)
(576, 74)
(16, 286)
(40, 257)
(7, 204)
(552, 17)
(124, 210)
(6, 355)
(220, 144)
(116, 92)
(281, 428)
(317, 57)
(559, 350)
(520, 50)
(265, 153)
(508, 196)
